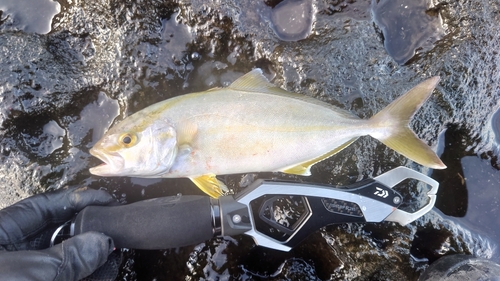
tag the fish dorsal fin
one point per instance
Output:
(253, 81)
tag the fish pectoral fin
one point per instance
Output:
(304, 168)
(186, 132)
(209, 184)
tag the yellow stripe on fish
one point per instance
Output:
(251, 126)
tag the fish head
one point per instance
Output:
(136, 147)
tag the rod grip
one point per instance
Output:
(159, 223)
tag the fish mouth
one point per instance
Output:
(111, 166)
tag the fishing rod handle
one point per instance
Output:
(159, 223)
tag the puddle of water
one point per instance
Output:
(292, 20)
(483, 188)
(94, 120)
(176, 36)
(29, 15)
(51, 139)
(495, 136)
(408, 27)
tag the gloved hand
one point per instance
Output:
(26, 228)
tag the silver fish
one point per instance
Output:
(250, 126)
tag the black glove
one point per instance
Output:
(26, 228)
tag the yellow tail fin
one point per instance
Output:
(396, 133)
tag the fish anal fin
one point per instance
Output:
(209, 184)
(301, 170)
(304, 168)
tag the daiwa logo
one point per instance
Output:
(381, 192)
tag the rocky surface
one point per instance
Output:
(103, 60)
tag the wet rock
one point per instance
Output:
(105, 60)
(461, 267)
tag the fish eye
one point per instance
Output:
(128, 140)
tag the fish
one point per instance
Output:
(251, 126)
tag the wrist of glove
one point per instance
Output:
(26, 220)
(26, 228)
(73, 259)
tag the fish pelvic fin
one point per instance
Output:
(304, 168)
(210, 185)
(393, 122)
